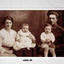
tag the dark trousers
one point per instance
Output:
(26, 53)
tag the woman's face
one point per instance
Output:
(8, 24)
(52, 19)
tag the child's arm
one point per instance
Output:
(32, 37)
(48, 40)
(52, 39)
(44, 40)
(18, 37)
(42, 37)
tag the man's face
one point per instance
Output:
(8, 24)
(52, 19)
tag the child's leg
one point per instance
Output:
(28, 48)
(46, 49)
(52, 50)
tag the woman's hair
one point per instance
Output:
(9, 18)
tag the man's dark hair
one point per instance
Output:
(54, 12)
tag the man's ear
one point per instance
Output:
(57, 19)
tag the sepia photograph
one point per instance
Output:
(31, 33)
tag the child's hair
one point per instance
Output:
(25, 24)
(48, 25)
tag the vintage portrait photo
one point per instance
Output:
(31, 33)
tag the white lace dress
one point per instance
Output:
(24, 40)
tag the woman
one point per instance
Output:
(7, 37)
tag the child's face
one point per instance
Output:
(48, 29)
(25, 28)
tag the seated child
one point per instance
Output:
(25, 39)
(48, 39)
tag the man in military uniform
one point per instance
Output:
(53, 19)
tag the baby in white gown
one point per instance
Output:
(25, 39)
(48, 39)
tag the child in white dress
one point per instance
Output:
(48, 39)
(25, 39)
